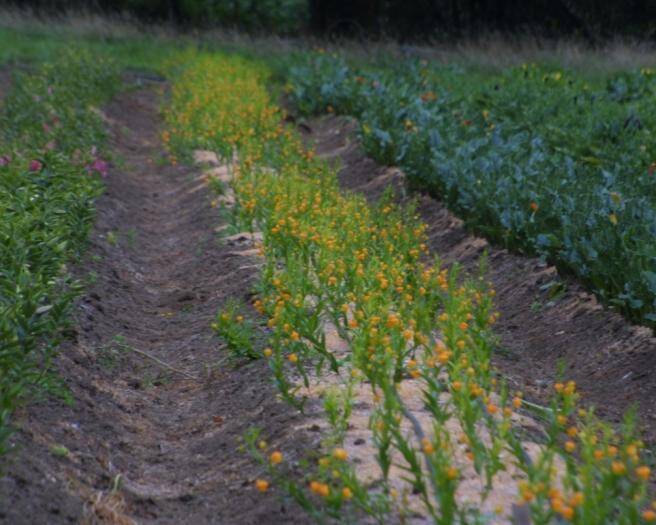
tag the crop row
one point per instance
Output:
(49, 166)
(538, 159)
(332, 260)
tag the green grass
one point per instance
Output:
(40, 45)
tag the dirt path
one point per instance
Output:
(611, 360)
(169, 442)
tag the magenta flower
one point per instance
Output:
(36, 165)
(5, 160)
(99, 166)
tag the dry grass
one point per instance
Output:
(496, 52)
(487, 53)
(76, 23)
(106, 508)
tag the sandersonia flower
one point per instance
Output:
(36, 165)
(99, 166)
(5, 160)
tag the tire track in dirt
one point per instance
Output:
(610, 359)
(167, 440)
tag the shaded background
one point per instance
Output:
(407, 20)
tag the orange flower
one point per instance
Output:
(643, 472)
(262, 485)
(427, 446)
(320, 488)
(428, 96)
(276, 458)
(618, 468)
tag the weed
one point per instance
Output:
(59, 451)
(112, 238)
(131, 238)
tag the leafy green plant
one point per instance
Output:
(534, 158)
(236, 330)
(51, 166)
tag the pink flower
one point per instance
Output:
(36, 165)
(5, 160)
(46, 128)
(51, 145)
(99, 166)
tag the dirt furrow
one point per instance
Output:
(157, 409)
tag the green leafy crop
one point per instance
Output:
(50, 168)
(539, 160)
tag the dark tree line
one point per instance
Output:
(278, 16)
(408, 20)
(594, 20)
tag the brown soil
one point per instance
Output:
(169, 442)
(610, 359)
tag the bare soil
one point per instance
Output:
(611, 360)
(167, 441)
